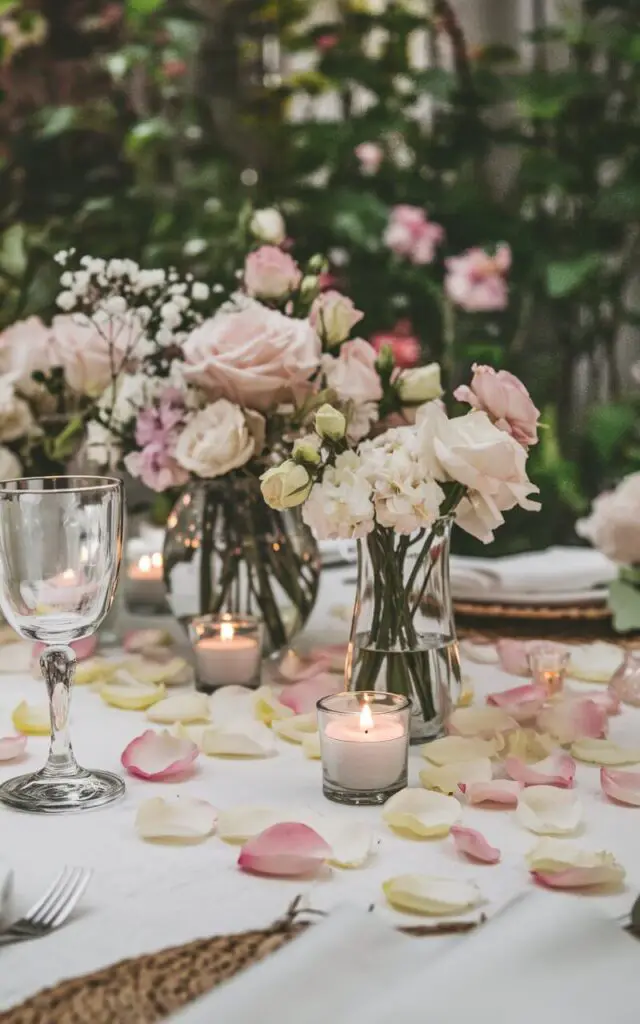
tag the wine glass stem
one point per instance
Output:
(58, 666)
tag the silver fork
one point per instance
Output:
(52, 910)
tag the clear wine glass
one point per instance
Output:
(60, 554)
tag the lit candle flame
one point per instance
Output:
(144, 563)
(156, 560)
(226, 631)
(69, 576)
(366, 718)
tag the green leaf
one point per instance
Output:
(608, 426)
(620, 202)
(13, 254)
(136, 10)
(566, 276)
(56, 121)
(624, 602)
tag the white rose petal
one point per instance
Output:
(179, 819)
(548, 810)
(428, 894)
(446, 779)
(422, 813)
(183, 707)
(454, 749)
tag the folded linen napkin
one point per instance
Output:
(558, 569)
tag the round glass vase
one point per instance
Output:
(225, 550)
(403, 636)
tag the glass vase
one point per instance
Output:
(403, 636)
(226, 551)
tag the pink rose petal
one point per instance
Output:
(555, 770)
(514, 656)
(12, 747)
(334, 655)
(573, 878)
(303, 697)
(159, 756)
(607, 699)
(85, 648)
(574, 719)
(523, 703)
(474, 845)
(295, 669)
(623, 787)
(502, 792)
(287, 849)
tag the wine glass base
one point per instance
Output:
(45, 793)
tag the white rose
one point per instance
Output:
(10, 467)
(340, 507)
(332, 315)
(330, 423)
(216, 440)
(307, 449)
(268, 226)
(613, 526)
(15, 416)
(286, 485)
(421, 384)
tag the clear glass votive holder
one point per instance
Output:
(548, 664)
(227, 649)
(364, 744)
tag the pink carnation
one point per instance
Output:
(506, 401)
(369, 155)
(157, 432)
(477, 282)
(410, 234)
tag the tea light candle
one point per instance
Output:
(548, 664)
(227, 651)
(148, 567)
(145, 584)
(364, 740)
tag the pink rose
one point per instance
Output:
(612, 526)
(333, 315)
(26, 346)
(505, 400)
(92, 350)
(270, 273)
(411, 235)
(354, 378)
(327, 42)
(254, 356)
(477, 282)
(404, 345)
(369, 155)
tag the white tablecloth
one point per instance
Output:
(146, 896)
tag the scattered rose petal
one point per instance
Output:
(570, 720)
(351, 843)
(12, 747)
(178, 819)
(499, 792)
(231, 703)
(267, 706)
(513, 656)
(482, 652)
(602, 751)
(127, 693)
(595, 663)
(474, 845)
(562, 865)
(295, 669)
(287, 849)
(303, 697)
(238, 739)
(556, 770)
(623, 787)
(174, 672)
(95, 670)
(607, 699)
(238, 824)
(446, 778)
(529, 745)
(485, 722)
(548, 810)
(192, 732)
(31, 719)
(158, 756)
(333, 654)
(16, 657)
(83, 649)
(7, 635)
(421, 812)
(180, 707)
(137, 640)
(453, 749)
(522, 702)
(428, 894)
(467, 695)
(296, 728)
(311, 746)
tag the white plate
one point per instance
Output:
(540, 598)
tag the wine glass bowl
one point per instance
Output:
(60, 555)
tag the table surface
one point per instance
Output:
(145, 896)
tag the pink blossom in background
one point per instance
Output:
(156, 468)
(270, 273)
(476, 281)
(157, 432)
(506, 401)
(327, 42)
(174, 68)
(410, 234)
(370, 155)
(404, 345)
(327, 281)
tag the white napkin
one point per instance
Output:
(337, 552)
(558, 569)
(6, 881)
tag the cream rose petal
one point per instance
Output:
(12, 747)
(31, 719)
(191, 732)
(549, 811)
(174, 672)
(497, 793)
(529, 745)
(454, 749)
(180, 707)
(238, 824)
(421, 812)
(231, 703)
(485, 722)
(296, 728)
(177, 819)
(482, 653)
(137, 640)
(239, 739)
(595, 663)
(267, 706)
(94, 670)
(474, 845)
(157, 757)
(623, 787)
(428, 894)
(562, 865)
(446, 778)
(130, 695)
(311, 746)
(352, 843)
(602, 751)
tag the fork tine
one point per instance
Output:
(35, 910)
(73, 899)
(55, 906)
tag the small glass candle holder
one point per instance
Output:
(228, 651)
(548, 664)
(364, 744)
(143, 581)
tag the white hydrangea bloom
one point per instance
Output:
(340, 507)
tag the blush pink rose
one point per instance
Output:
(253, 356)
(91, 350)
(270, 273)
(410, 234)
(477, 282)
(352, 374)
(369, 155)
(612, 526)
(506, 401)
(26, 346)
(404, 345)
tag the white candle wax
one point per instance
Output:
(223, 660)
(361, 756)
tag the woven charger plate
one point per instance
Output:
(572, 622)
